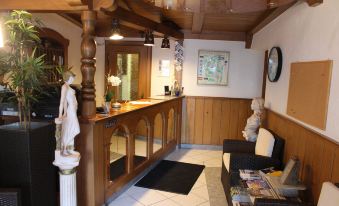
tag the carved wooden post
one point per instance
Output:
(88, 49)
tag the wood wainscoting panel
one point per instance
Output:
(210, 120)
(318, 154)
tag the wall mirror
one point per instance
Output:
(118, 154)
(140, 143)
(158, 133)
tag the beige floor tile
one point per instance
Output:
(188, 200)
(167, 202)
(148, 197)
(167, 194)
(205, 204)
(193, 152)
(202, 157)
(127, 201)
(198, 184)
(215, 162)
(201, 192)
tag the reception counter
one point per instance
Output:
(117, 147)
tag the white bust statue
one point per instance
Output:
(68, 116)
(253, 123)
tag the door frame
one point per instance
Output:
(110, 45)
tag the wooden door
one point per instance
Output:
(131, 61)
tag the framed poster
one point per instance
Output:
(213, 67)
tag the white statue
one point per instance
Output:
(67, 127)
(253, 123)
(68, 116)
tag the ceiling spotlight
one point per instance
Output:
(149, 38)
(116, 35)
(165, 43)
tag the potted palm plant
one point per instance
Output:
(28, 149)
(23, 69)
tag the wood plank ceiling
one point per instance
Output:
(235, 20)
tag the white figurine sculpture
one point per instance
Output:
(68, 115)
(67, 127)
(253, 123)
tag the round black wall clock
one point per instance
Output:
(274, 64)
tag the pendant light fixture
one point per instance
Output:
(165, 43)
(116, 35)
(149, 38)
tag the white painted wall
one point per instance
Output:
(158, 82)
(304, 34)
(245, 70)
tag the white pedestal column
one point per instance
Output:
(67, 174)
(68, 189)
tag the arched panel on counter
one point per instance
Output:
(158, 134)
(141, 142)
(171, 127)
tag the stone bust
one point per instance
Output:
(254, 121)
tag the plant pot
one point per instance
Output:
(107, 107)
(26, 158)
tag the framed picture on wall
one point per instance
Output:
(213, 67)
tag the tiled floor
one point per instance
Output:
(137, 196)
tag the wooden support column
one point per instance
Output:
(88, 50)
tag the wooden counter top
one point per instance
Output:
(132, 106)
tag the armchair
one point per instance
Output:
(238, 154)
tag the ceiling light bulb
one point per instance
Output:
(116, 35)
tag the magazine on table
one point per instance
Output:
(239, 194)
(257, 184)
(249, 174)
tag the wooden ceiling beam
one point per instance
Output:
(198, 17)
(138, 20)
(216, 35)
(314, 3)
(267, 18)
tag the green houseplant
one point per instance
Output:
(23, 70)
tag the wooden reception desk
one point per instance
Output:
(161, 117)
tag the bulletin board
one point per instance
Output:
(309, 92)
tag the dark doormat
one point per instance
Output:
(170, 176)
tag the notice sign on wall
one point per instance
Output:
(213, 67)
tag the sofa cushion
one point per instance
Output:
(226, 160)
(265, 143)
(329, 195)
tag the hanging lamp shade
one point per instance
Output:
(149, 39)
(165, 43)
(116, 34)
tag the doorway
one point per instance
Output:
(131, 61)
